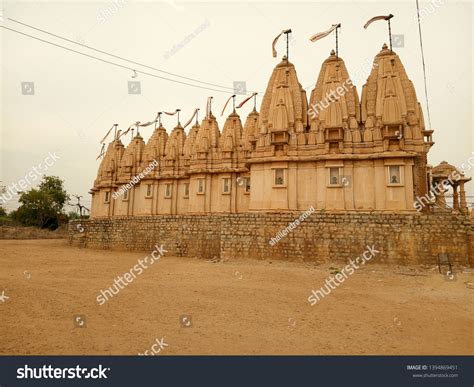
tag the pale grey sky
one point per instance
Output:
(77, 99)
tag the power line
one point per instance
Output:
(423, 61)
(119, 57)
(113, 63)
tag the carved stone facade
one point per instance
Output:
(335, 152)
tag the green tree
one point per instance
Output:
(3, 211)
(43, 206)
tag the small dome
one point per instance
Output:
(445, 170)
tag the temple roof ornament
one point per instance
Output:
(190, 141)
(231, 138)
(284, 105)
(109, 164)
(174, 149)
(132, 158)
(155, 147)
(334, 101)
(250, 130)
(208, 135)
(389, 98)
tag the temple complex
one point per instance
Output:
(336, 151)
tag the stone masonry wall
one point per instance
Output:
(322, 237)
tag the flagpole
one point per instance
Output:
(337, 41)
(287, 33)
(390, 32)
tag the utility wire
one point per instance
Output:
(118, 57)
(115, 64)
(423, 61)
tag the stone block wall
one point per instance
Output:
(181, 235)
(322, 237)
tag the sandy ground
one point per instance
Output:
(244, 307)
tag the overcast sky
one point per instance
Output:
(77, 99)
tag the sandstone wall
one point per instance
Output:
(322, 237)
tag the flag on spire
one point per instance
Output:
(208, 107)
(321, 35)
(276, 40)
(107, 134)
(246, 99)
(375, 18)
(101, 151)
(191, 119)
(232, 96)
(387, 18)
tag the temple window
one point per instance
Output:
(394, 175)
(168, 190)
(334, 176)
(149, 190)
(186, 190)
(247, 185)
(279, 177)
(226, 185)
(125, 195)
(107, 197)
(201, 186)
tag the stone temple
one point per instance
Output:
(335, 151)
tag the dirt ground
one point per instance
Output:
(243, 307)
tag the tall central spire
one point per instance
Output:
(284, 106)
